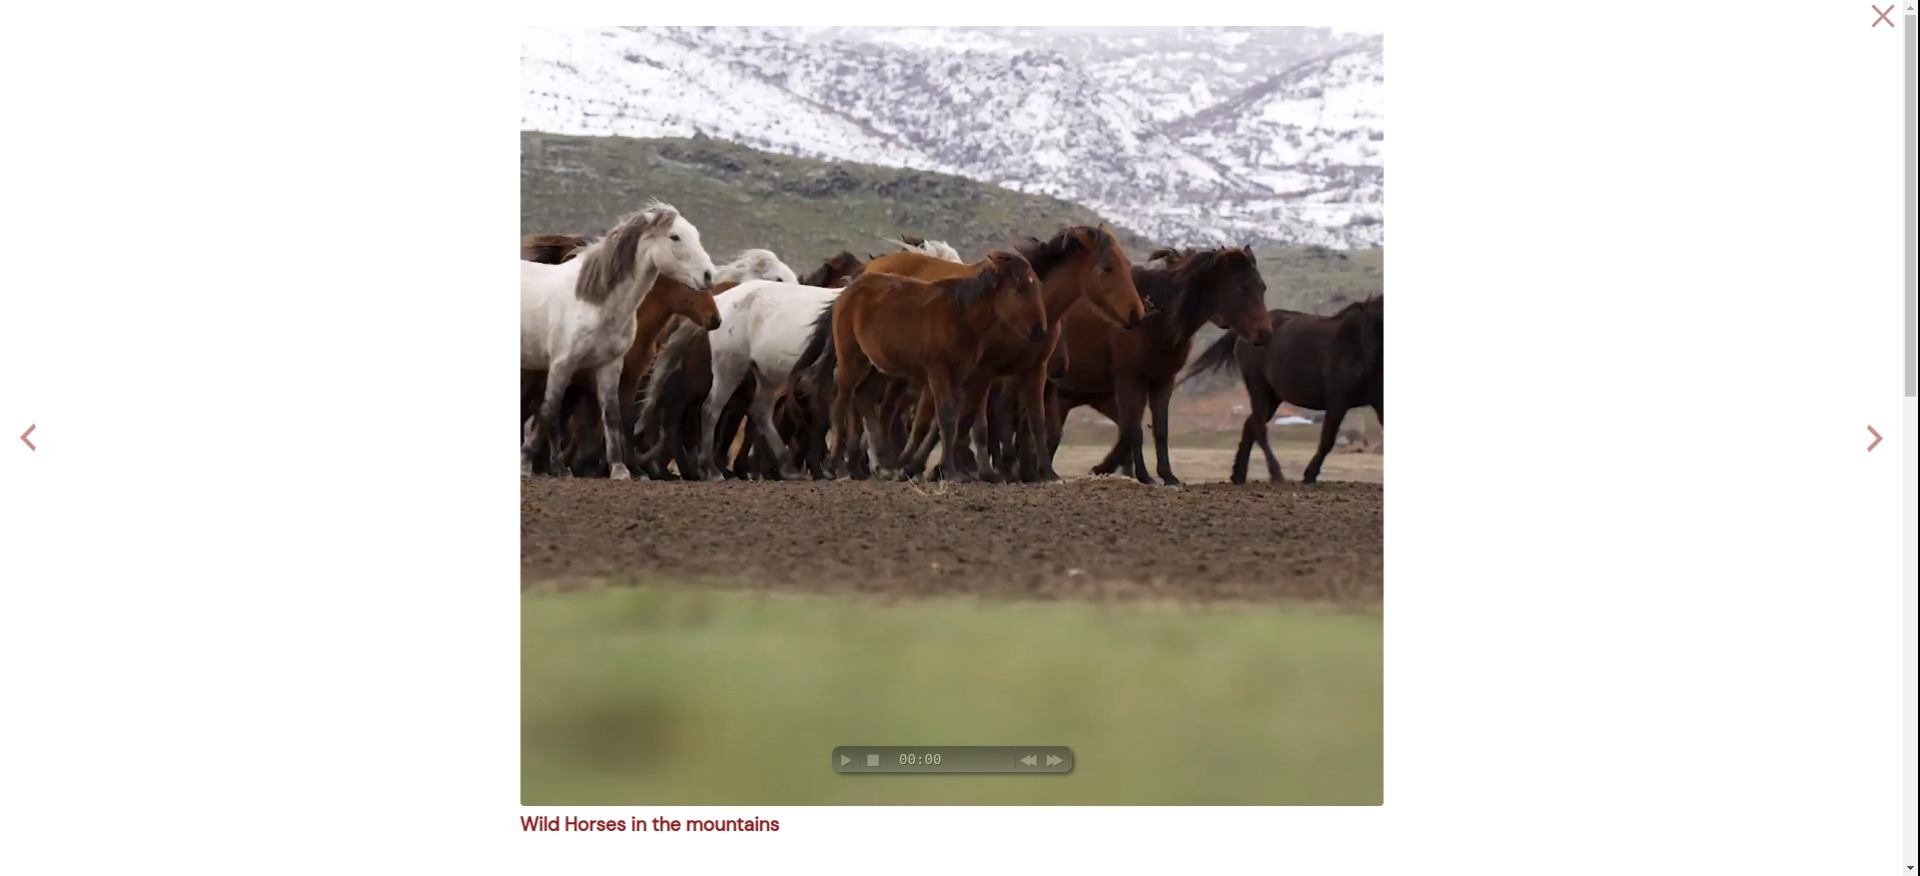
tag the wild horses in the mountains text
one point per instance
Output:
(931, 333)
(1121, 373)
(681, 381)
(1082, 263)
(579, 315)
(1324, 363)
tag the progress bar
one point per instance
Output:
(1007, 759)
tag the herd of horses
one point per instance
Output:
(639, 354)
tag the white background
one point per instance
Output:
(260, 594)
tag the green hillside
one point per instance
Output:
(807, 210)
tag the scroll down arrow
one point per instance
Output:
(1876, 439)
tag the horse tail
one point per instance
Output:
(819, 361)
(1214, 358)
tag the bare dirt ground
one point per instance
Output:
(1086, 538)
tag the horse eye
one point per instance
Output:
(675, 237)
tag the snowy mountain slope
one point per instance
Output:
(1189, 135)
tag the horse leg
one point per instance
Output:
(845, 441)
(1031, 412)
(1120, 457)
(1130, 401)
(1329, 430)
(1261, 404)
(533, 441)
(974, 395)
(1157, 398)
(942, 389)
(728, 372)
(686, 439)
(606, 383)
(920, 438)
(773, 450)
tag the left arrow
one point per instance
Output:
(23, 437)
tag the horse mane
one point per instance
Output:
(681, 333)
(610, 262)
(550, 249)
(755, 264)
(1166, 256)
(1045, 255)
(1179, 288)
(966, 292)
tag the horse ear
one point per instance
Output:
(661, 218)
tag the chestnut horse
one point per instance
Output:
(1121, 373)
(931, 333)
(1323, 363)
(1081, 263)
(677, 391)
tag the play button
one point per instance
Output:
(844, 760)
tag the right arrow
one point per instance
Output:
(1876, 439)
(1053, 760)
(844, 760)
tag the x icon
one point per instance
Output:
(1883, 15)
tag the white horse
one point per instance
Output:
(755, 264)
(936, 248)
(579, 315)
(764, 327)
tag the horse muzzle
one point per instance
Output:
(1261, 337)
(713, 323)
(1134, 320)
(1037, 334)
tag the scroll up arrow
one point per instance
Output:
(1870, 447)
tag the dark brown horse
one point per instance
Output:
(1080, 263)
(1323, 363)
(1123, 373)
(670, 417)
(931, 333)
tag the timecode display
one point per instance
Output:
(1004, 759)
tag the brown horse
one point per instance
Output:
(1080, 263)
(931, 333)
(670, 417)
(550, 249)
(1122, 373)
(1323, 363)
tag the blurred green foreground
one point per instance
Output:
(652, 696)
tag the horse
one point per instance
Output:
(668, 300)
(1324, 363)
(931, 333)
(811, 388)
(680, 383)
(550, 249)
(1120, 373)
(763, 331)
(579, 315)
(1079, 263)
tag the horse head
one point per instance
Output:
(672, 243)
(1015, 292)
(1106, 277)
(697, 305)
(1239, 295)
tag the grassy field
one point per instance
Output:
(658, 695)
